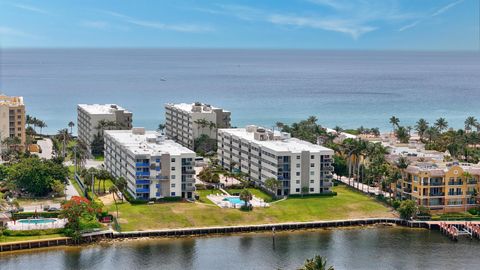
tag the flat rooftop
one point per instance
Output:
(293, 145)
(440, 168)
(188, 107)
(101, 108)
(11, 101)
(150, 143)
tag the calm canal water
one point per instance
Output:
(370, 248)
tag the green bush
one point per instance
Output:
(24, 215)
(473, 211)
(407, 209)
(170, 199)
(333, 193)
(396, 204)
(32, 232)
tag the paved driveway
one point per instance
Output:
(47, 148)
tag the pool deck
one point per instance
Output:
(19, 226)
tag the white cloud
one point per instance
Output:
(192, 28)
(434, 14)
(30, 8)
(341, 26)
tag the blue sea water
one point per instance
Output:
(345, 88)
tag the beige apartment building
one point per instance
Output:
(12, 118)
(185, 122)
(441, 187)
(89, 116)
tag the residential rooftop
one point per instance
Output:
(102, 108)
(440, 168)
(12, 101)
(140, 141)
(189, 107)
(279, 142)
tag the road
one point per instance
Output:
(89, 163)
(47, 148)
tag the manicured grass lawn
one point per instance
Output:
(4, 239)
(204, 193)
(347, 204)
(256, 192)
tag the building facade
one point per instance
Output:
(444, 187)
(153, 166)
(90, 115)
(186, 122)
(12, 118)
(300, 166)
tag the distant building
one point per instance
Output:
(186, 122)
(89, 116)
(12, 118)
(153, 166)
(445, 187)
(302, 167)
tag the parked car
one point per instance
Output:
(53, 209)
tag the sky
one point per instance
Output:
(292, 24)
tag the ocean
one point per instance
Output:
(345, 88)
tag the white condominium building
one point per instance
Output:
(12, 118)
(153, 166)
(91, 115)
(186, 122)
(300, 166)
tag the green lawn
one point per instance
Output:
(4, 239)
(256, 192)
(347, 204)
(204, 193)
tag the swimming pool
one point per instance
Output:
(36, 220)
(234, 200)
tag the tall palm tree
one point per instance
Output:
(279, 125)
(441, 124)
(402, 164)
(394, 121)
(246, 196)
(71, 124)
(470, 122)
(113, 189)
(421, 126)
(161, 127)
(41, 124)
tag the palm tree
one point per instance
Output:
(211, 126)
(71, 124)
(316, 263)
(41, 125)
(470, 122)
(441, 124)
(431, 133)
(312, 119)
(394, 121)
(246, 196)
(402, 134)
(161, 127)
(279, 125)
(421, 127)
(113, 189)
(402, 164)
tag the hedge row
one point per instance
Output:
(333, 193)
(23, 215)
(32, 232)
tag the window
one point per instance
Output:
(173, 168)
(298, 165)
(311, 189)
(172, 177)
(298, 157)
(172, 194)
(312, 165)
(312, 157)
(157, 160)
(158, 169)
(312, 181)
(297, 190)
(157, 194)
(312, 172)
(173, 185)
(173, 159)
(298, 181)
(297, 173)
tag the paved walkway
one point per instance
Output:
(71, 190)
(47, 148)
(362, 187)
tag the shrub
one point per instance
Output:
(333, 193)
(407, 209)
(23, 215)
(248, 207)
(32, 232)
(396, 204)
(473, 211)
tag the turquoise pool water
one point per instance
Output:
(234, 200)
(36, 221)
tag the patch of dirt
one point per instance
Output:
(107, 199)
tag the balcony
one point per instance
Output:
(436, 194)
(162, 177)
(455, 194)
(327, 184)
(407, 190)
(472, 182)
(142, 173)
(142, 164)
(437, 183)
(142, 182)
(143, 190)
(328, 168)
(455, 183)
(188, 171)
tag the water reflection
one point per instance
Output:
(378, 248)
